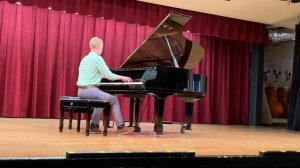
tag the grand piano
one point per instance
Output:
(161, 66)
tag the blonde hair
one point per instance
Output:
(95, 42)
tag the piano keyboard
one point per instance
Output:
(120, 83)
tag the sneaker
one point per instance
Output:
(94, 128)
(124, 130)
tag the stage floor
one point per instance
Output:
(41, 138)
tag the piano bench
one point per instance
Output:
(77, 105)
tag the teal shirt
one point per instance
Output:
(92, 69)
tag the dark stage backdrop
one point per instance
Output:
(40, 51)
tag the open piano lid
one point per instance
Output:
(164, 42)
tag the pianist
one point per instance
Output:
(92, 69)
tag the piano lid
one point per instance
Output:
(166, 45)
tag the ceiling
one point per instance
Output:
(275, 13)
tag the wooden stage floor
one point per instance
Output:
(41, 138)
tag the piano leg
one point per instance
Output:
(61, 118)
(189, 107)
(159, 108)
(131, 112)
(70, 118)
(88, 119)
(186, 125)
(136, 115)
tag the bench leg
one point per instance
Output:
(70, 118)
(61, 118)
(88, 119)
(78, 121)
(106, 112)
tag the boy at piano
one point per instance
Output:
(92, 69)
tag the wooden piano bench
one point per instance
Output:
(77, 105)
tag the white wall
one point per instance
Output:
(280, 57)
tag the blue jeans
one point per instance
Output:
(95, 93)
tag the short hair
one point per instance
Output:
(95, 41)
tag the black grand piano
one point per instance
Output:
(161, 66)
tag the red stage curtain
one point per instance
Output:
(132, 11)
(40, 51)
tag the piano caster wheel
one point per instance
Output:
(184, 127)
(189, 127)
(137, 129)
(158, 130)
(60, 129)
(156, 134)
(104, 133)
(182, 130)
